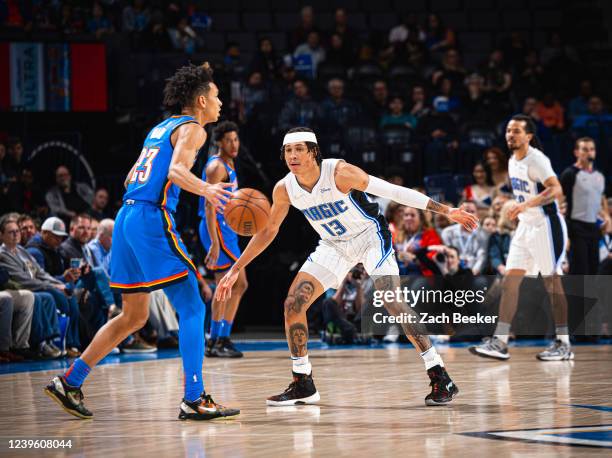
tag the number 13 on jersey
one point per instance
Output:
(142, 171)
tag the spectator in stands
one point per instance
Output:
(100, 247)
(14, 161)
(344, 31)
(254, 94)
(313, 49)
(93, 229)
(338, 54)
(498, 203)
(162, 321)
(24, 270)
(300, 110)
(44, 248)
(499, 242)
(16, 310)
(233, 64)
(183, 37)
(551, 112)
(136, 17)
(307, 25)
(438, 37)
(420, 107)
(481, 190)
(66, 198)
(497, 162)
(70, 20)
(74, 245)
(498, 79)
(515, 48)
(471, 246)
(265, 60)
(595, 122)
(529, 108)
(398, 35)
(99, 205)
(414, 234)
(530, 79)
(394, 214)
(556, 53)
(376, 102)
(27, 227)
(28, 195)
(99, 24)
(450, 68)
(476, 106)
(446, 90)
(438, 131)
(579, 105)
(156, 36)
(336, 112)
(396, 116)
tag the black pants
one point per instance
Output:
(584, 248)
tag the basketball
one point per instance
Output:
(247, 212)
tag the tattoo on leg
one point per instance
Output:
(416, 332)
(298, 339)
(299, 297)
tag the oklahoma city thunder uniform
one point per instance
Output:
(351, 227)
(538, 246)
(148, 253)
(229, 250)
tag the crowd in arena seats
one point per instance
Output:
(408, 96)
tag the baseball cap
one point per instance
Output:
(54, 225)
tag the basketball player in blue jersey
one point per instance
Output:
(221, 242)
(148, 253)
(331, 195)
(538, 245)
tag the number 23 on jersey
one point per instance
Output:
(142, 171)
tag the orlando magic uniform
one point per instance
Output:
(228, 240)
(148, 253)
(351, 227)
(538, 246)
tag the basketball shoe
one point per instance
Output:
(210, 345)
(224, 348)
(557, 351)
(443, 389)
(491, 347)
(70, 398)
(301, 391)
(204, 408)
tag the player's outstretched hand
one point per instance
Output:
(212, 256)
(218, 194)
(467, 220)
(224, 288)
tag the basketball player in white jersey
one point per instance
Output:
(538, 245)
(331, 195)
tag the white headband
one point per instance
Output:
(296, 137)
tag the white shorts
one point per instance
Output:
(332, 260)
(539, 247)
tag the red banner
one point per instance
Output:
(88, 77)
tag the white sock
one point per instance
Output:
(432, 358)
(502, 331)
(301, 365)
(562, 334)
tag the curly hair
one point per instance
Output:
(312, 147)
(223, 128)
(185, 85)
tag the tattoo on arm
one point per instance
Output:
(298, 339)
(436, 207)
(299, 297)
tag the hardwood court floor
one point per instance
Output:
(371, 405)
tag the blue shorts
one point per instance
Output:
(148, 253)
(229, 251)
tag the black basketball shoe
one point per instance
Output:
(443, 389)
(301, 391)
(70, 398)
(210, 345)
(204, 408)
(224, 348)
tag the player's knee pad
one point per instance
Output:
(185, 297)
